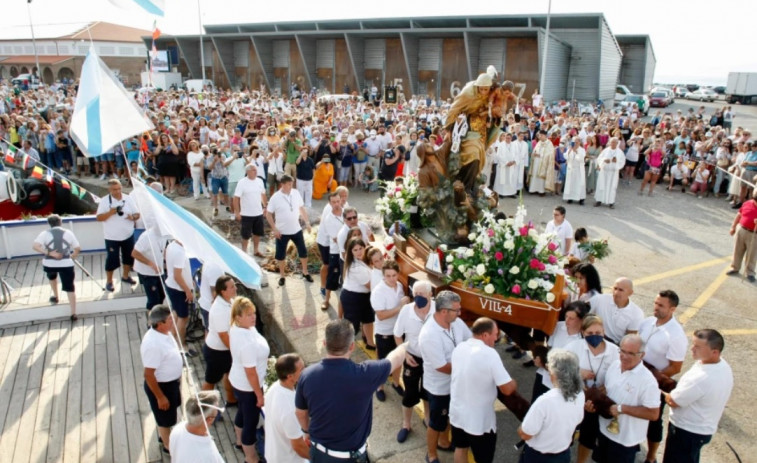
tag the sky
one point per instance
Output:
(694, 41)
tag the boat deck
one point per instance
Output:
(73, 392)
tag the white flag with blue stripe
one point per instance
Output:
(105, 114)
(199, 240)
(154, 7)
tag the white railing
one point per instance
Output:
(17, 236)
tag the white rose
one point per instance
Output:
(509, 245)
(461, 268)
(514, 270)
(471, 236)
(533, 233)
(550, 297)
(443, 247)
(489, 289)
(533, 284)
(469, 253)
(481, 269)
(450, 259)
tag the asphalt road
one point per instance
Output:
(745, 115)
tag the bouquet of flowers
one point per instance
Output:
(399, 200)
(507, 257)
(598, 249)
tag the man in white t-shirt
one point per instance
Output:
(190, 440)
(179, 286)
(330, 225)
(60, 248)
(285, 441)
(118, 213)
(284, 211)
(249, 202)
(636, 396)
(148, 255)
(697, 403)
(665, 348)
(620, 316)
(477, 373)
(561, 228)
(438, 339)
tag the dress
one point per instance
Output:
(169, 164)
(607, 180)
(321, 185)
(575, 180)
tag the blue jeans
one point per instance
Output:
(219, 184)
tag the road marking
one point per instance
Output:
(680, 271)
(733, 332)
(704, 297)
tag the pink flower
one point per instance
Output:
(534, 264)
(515, 289)
(498, 255)
(523, 231)
(490, 232)
(542, 267)
(398, 189)
(390, 194)
(552, 246)
(552, 260)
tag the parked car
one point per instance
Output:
(621, 91)
(703, 94)
(660, 99)
(692, 87)
(28, 79)
(642, 101)
(720, 90)
(681, 91)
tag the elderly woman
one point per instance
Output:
(162, 363)
(549, 425)
(410, 320)
(249, 360)
(595, 356)
(190, 440)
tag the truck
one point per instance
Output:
(742, 88)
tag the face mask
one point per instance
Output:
(594, 340)
(421, 301)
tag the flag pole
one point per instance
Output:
(34, 41)
(202, 48)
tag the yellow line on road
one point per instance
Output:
(733, 332)
(680, 271)
(704, 297)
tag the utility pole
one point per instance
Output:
(34, 42)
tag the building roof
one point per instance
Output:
(100, 31)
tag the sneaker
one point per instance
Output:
(402, 435)
(750, 279)
(129, 280)
(109, 287)
(53, 300)
(282, 281)
(518, 355)
(308, 278)
(529, 364)
(103, 177)
(191, 353)
(398, 389)
(732, 272)
(381, 395)
(215, 212)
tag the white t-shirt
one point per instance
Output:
(561, 338)
(597, 364)
(409, 324)
(210, 274)
(248, 349)
(331, 225)
(636, 387)
(194, 157)
(385, 298)
(663, 344)
(701, 395)
(191, 448)
(281, 425)
(436, 345)
(477, 370)
(160, 352)
(117, 227)
(563, 232)
(377, 276)
(250, 194)
(320, 236)
(552, 420)
(616, 321)
(357, 277)
(67, 246)
(176, 258)
(151, 245)
(286, 209)
(219, 321)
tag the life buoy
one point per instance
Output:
(12, 187)
(37, 194)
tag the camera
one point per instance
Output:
(120, 210)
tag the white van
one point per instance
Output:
(196, 85)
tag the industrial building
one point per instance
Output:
(637, 68)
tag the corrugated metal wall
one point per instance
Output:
(584, 62)
(556, 84)
(491, 53)
(375, 53)
(324, 54)
(308, 54)
(410, 47)
(649, 67)
(242, 53)
(472, 47)
(356, 50)
(610, 60)
(264, 50)
(429, 54)
(281, 53)
(633, 67)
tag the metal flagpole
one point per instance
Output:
(34, 41)
(202, 48)
(86, 272)
(544, 58)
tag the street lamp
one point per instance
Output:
(34, 41)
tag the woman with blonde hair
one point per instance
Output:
(249, 360)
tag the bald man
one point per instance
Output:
(619, 314)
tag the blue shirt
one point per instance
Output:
(751, 157)
(338, 395)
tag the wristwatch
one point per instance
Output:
(620, 409)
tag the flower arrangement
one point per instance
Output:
(598, 249)
(508, 257)
(399, 201)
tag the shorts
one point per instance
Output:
(654, 428)
(413, 379)
(357, 307)
(252, 226)
(67, 275)
(299, 241)
(248, 416)
(334, 276)
(588, 430)
(344, 174)
(384, 345)
(172, 391)
(106, 157)
(153, 290)
(682, 446)
(112, 249)
(481, 446)
(679, 181)
(534, 456)
(218, 363)
(610, 451)
(654, 170)
(631, 163)
(219, 184)
(179, 302)
(120, 164)
(273, 181)
(82, 161)
(324, 250)
(438, 411)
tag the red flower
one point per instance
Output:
(490, 232)
(534, 264)
(515, 289)
(542, 267)
(552, 259)
(523, 231)
(498, 255)
(552, 246)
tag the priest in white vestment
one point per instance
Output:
(609, 163)
(575, 178)
(506, 180)
(521, 157)
(542, 177)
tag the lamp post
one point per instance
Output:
(34, 41)
(544, 55)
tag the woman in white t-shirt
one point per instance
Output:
(249, 361)
(196, 162)
(374, 257)
(387, 300)
(356, 294)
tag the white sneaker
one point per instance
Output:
(103, 177)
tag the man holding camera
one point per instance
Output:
(118, 213)
(292, 147)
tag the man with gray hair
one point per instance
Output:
(190, 439)
(636, 396)
(334, 397)
(437, 340)
(285, 441)
(60, 247)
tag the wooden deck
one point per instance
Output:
(73, 392)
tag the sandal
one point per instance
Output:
(325, 306)
(259, 254)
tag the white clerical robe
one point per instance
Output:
(521, 157)
(609, 163)
(542, 168)
(506, 181)
(575, 179)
